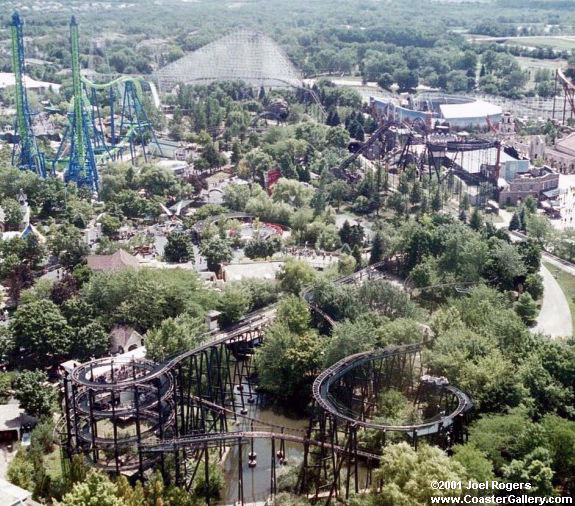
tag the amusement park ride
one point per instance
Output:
(86, 143)
(130, 416)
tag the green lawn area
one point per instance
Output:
(53, 462)
(567, 42)
(567, 283)
(533, 65)
(556, 42)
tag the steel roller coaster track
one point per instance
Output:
(196, 402)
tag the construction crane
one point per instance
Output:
(25, 154)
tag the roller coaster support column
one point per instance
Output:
(138, 428)
(82, 168)
(207, 473)
(67, 396)
(25, 154)
(240, 473)
(161, 428)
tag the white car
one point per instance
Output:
(26, 438)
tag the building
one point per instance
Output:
(119, 261)
(7, 80)
(561, 156)
(12, 419)
(430, 108)
(124, 338)
(537, 182)
(507, 125)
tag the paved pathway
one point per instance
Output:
(554, 319)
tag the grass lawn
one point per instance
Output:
(53, 462)
(566, 42)
(533, 65)
(567, 283)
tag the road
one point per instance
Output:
(555, 316)
(554, 319)
(548, 257)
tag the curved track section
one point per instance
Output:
(332, 377)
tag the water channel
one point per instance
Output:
(257, 479)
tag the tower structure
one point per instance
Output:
(81, 161)
(26, 154)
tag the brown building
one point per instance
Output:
(119, 261)
(534, 182)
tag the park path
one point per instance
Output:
(554, 319)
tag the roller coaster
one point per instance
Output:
(89, 140)
(133, 416)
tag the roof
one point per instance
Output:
(477, 109)
(567, 142)
(122, 335)
(259, 270)
(8, 79)
(471, 161)
(552, 193)
(119, 261)
(12, 416)
(12, 495)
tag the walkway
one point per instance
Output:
(554, 319)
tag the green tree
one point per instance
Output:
(287, 361)
(476, 464)
(90, 340)
(526, 308)
(67, 243)
(534, 468)
(174, 335)
(530, 251)
(179, 248)
(13, 214)
(34, 393)
(40, 329)
(295, 275)
(476, 220)
(407, 475)
(378, 248)
(110, 225)
(338, 137)
(560, 440)
(515, 223)
(217, 251)
(95, 490)
(534, 285)
(539, 228)
(234, 303)
(504, 437)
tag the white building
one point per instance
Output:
(8, 79)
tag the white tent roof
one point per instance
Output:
(8, 79)
(478, 109)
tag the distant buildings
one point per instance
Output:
(429, 108)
